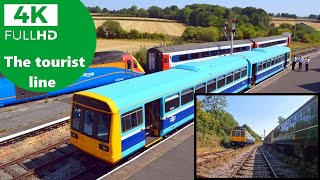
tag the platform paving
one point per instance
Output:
(172, 159)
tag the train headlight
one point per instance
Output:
(104, 148)
(74, 135)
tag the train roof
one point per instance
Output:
(270, 38)
(108, 57)
(157, 85)
(194, 46)
(261, 54)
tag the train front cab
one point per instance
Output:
(237, 138)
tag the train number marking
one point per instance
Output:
(119, 79)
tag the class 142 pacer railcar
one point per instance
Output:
(114, 121)
(298, 134)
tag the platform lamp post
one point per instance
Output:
(232, 31)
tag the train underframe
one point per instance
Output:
(306, 152)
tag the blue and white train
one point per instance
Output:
(114, 121)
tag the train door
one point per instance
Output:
(253, 75)
(165, 61)
(152, 61)
(152, 117)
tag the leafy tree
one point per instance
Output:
(285, 25)
(274, 31)
(318, 17)
(281, 119)
(312, 16)
(142, 13)
(108, 29)
(155, 12)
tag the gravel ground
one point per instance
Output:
(72, 167)
(282, 169)
(31, 144)
(4, 175)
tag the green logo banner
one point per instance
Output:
(45, 45)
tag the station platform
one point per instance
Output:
(171, 159)
(293, 81)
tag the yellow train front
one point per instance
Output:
(240, 137)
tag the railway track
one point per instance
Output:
(254, 164)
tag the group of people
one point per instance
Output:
(300, 60)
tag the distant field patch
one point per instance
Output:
(123, 45)
(168, 28)
(312, 23)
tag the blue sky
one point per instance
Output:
(261, 112)
(298, 7)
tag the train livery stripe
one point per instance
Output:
(176, 117)
(132, 133)
(268, 73)
(133, 140)
(299, 130)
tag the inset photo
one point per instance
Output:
(256, 136)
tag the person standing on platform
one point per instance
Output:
(307, 63)
(300, 62)
(294, 61)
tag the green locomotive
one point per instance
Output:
(298, 134)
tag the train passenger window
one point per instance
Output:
(282, 58)
(104, 127)
(301, 114)
(264, 65)
(229, 78)
(201, 88)
(242, 133)
(309, 110)
(184, 57)
(171, 102)
(237, 49)
(236, 75)
(131, 119)
(88, 122)
(205, 54)
(276, 60)
(195, 56)
(223, 51)
(268, 63)
(259, 66)
(244, 72)
(212, 85)
(272, 62)
(76, 114)
(214, 53)
(221, 82)
(186, 96)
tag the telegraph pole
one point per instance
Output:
(232, 31)
(264, 133)
(295, 29)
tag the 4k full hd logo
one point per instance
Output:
(31, 15)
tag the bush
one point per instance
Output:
(141, 56)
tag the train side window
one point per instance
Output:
(301, 114)
(214, 53)
(205, 54)
(272, 62)
(201, 88)
(184, 57)
(243, 72)
(131, 119)
(282, 57)
(195, 56)
(308, 110)
(88, 122)
(171, 102)
(259, 66)
(233, 133)
(221, 81)
(236, 75)
(186, 96)
(297, 117)
(76, 115)
(242, 133)
(104, 127)
(264, 65)
(276, 60)
(223, 51)
(212, 85)
(268, 63)
(229, 78)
